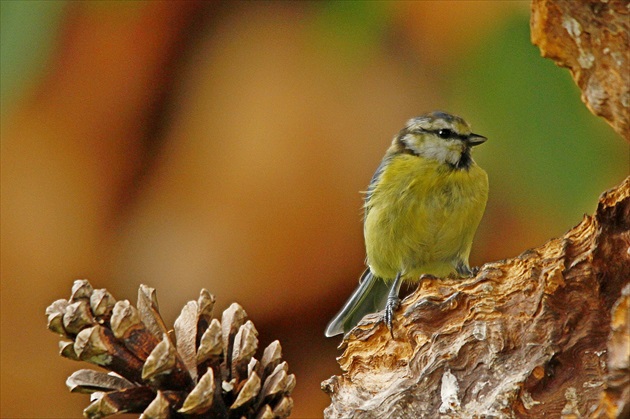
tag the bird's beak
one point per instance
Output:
(475, 139)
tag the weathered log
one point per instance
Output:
(542, 334)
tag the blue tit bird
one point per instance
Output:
(422, 208)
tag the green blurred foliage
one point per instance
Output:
(546, 152)
(350, 29)
(28, 32)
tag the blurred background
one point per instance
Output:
(224, 144)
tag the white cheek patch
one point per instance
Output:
(444, 151)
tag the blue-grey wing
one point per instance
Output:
(369, 297)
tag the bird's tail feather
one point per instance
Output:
(369, 297)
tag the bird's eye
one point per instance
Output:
(445, 133)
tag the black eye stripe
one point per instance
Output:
(450, 134)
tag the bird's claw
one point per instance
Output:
(393, 302)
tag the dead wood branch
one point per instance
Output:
(592, 39)
(543, 334)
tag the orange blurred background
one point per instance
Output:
(223, 145)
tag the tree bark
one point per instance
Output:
(542, 334)
(545, 334)
(592, 39)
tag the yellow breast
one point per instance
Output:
(421, 217)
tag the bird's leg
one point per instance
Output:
(463, 270)
(393, 302)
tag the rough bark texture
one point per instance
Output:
(543, 334)
(592, 39)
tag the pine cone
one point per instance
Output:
(203, 368)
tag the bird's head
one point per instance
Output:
(438, 136)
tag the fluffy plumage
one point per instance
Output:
(422, 209)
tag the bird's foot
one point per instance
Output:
(393, 302)
(464, 271)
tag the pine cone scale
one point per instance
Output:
(204, 368)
